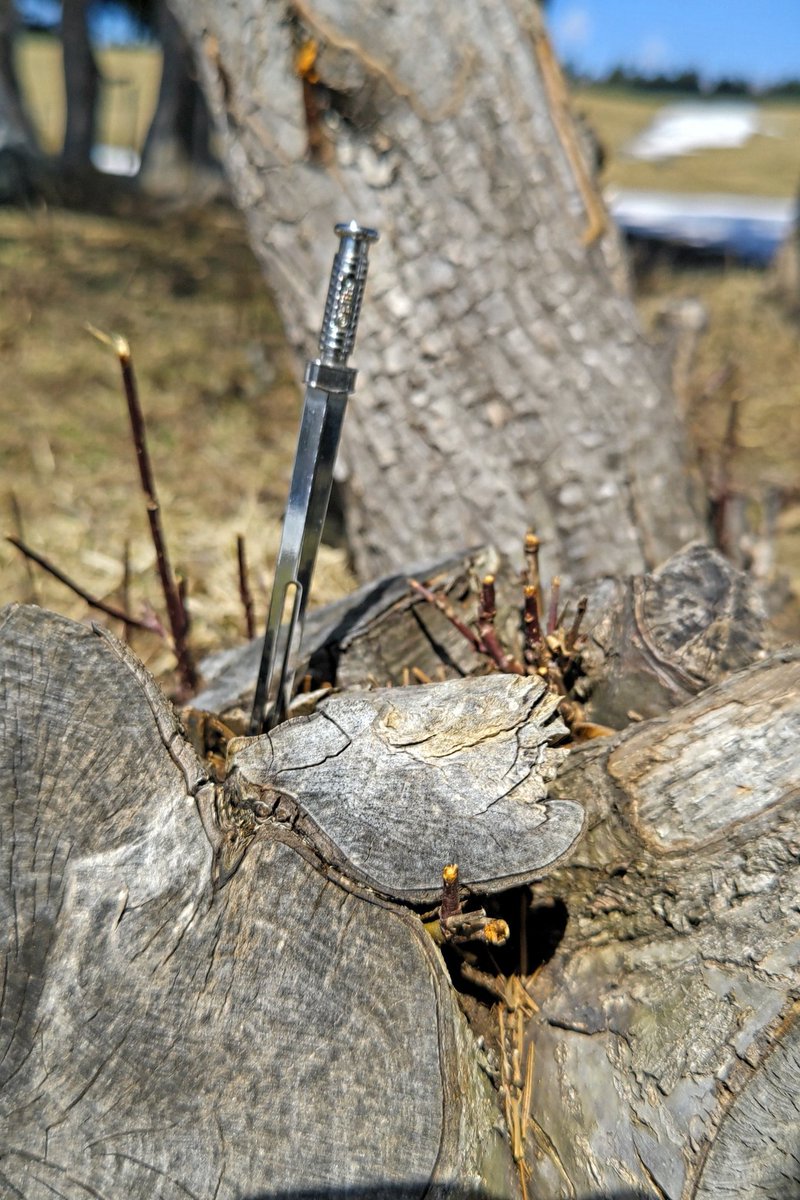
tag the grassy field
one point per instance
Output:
(128, 93)
(219, 395)
(767, 165)
(219, 392)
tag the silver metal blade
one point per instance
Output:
(329, 383)
(309, 495)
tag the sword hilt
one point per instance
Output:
(345, 293)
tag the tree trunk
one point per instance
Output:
(504, 381)
(18, 146)
(178, 141)
(16, 130)
(81, 82)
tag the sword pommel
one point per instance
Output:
(345, 293)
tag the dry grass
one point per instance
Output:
(219, 395)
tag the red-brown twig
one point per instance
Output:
(176, 610)
(451, 902)
(448, 611)
(92, 601)
(490, 643)
(552, 616)
(485, 641)
(245, 594)
(533, 641)
(531, 548)
(575, 628)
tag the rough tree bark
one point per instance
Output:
(501, 362)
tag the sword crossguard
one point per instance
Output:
(345, 293)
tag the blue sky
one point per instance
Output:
(111, 23)
(756, 41)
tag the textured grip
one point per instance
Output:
(345, 293)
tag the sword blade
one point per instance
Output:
(309, 495)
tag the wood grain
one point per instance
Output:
(392, 785)
(278, 1035)
(666, 1043)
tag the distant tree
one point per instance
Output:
(786, 89)
(18, 144)
(731, 87)
(179, 139)
(687, 81)
(629, 77)
(81, 84)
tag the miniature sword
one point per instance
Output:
(329, 382)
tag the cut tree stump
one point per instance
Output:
(163, 1034)
(226, 987)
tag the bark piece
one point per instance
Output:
(666, 1042)
(276, 1036)
(390, 786)
(658, 639)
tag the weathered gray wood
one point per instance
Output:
(658, 639)
(279, 1028)
(229, 676)
(653, 641)
(666, 1042)
(503, 377)
(392, 785)
(278, 1035)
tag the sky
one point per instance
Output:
(111, 23)
(759, 42)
